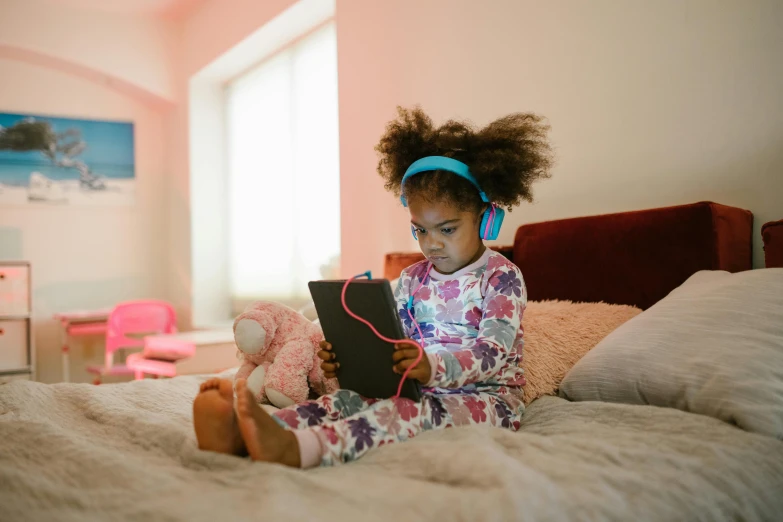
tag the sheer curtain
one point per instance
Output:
(283, 164)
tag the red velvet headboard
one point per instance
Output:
(631, 258)
(772, 235)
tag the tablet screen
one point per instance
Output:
(365, 360)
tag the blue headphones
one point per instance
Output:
(493, 216)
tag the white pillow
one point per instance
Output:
(713, 346)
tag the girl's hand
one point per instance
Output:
(405, 355)
(329, 365)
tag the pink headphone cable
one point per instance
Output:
(490, 220)
(393, 341)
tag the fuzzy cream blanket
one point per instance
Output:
(127, 452)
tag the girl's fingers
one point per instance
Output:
(330, 375)
(417, 373)
(408, 353)
(327, 356)
(329, 367)
(404, 365)
(325, 345)
(420, 375)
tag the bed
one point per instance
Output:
(583, 452)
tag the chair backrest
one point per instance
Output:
(144, 317)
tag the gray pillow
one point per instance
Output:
(713, 346)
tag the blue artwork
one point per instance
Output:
(62, 161)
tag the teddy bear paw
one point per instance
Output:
(255, 383)
(278, 399)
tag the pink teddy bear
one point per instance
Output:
(279, 351)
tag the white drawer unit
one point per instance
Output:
(17, 353)
(14, 289)
(14, 337)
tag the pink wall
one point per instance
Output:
(651, 103)
(132, 50)
(215, 26)
(66, 63)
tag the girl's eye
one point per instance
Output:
(447, 231)
(421, 231)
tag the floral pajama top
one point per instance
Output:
(470, 323)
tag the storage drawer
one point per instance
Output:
(14, 289)
(13, 345)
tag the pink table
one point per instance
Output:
(79, 323)
(167, 355)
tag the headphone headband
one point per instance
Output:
(431, 163)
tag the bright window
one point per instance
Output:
(283, 163)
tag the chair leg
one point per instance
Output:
(139, 375)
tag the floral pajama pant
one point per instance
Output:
(348, 425)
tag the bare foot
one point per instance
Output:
(264, 438)
(214, 420)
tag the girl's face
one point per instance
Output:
(448, 236)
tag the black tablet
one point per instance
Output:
(365, 360)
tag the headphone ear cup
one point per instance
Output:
(413, 231)
(494, 224)
(483, 232)
(497, 222)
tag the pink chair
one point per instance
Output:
(126, 327)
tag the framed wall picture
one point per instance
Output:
(61, 161)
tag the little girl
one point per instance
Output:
(463, 304)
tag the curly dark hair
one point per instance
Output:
(505, 157)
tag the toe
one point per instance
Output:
(211, 383)
(247, 395)
(200, 403)
(241, 403)
(226, 389)
(245, 402)
(240, 386)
